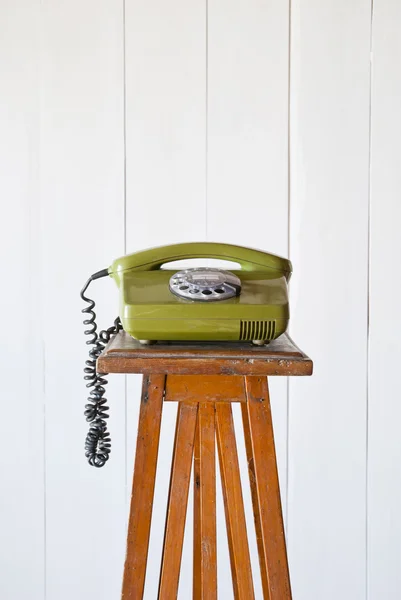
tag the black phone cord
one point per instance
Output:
(98, 442)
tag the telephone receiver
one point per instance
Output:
(155, 258)
(194, 304)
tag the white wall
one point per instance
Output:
(261, 122)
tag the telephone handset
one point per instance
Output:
(155, 258)
(202, 304)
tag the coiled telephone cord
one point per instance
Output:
(98, 441)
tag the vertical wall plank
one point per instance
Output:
(384, 450)
(166, 196)
(247, 148)
(22, 432)
(329, 144)
(83, 229)
(247, 137)
(165, 83)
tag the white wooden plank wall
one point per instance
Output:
(264, 123)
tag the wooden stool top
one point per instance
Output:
(124, 354)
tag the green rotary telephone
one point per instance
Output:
(203, 304)
(199, 304)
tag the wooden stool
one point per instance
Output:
(205, 379)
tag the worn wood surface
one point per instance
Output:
(207, 388)
(205, 554)
(263, 475)
(177, 501)
(124, 354)
(143, 487)
(233, 504)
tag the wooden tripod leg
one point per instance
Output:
(263, 475)
(143, 487)
(233, 504)
(177, 501)
(205, 562)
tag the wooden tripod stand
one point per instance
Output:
(204, 380)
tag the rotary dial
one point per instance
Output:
(206, 285)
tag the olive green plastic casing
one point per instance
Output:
(150, 311)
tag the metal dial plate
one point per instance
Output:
(205, 285)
